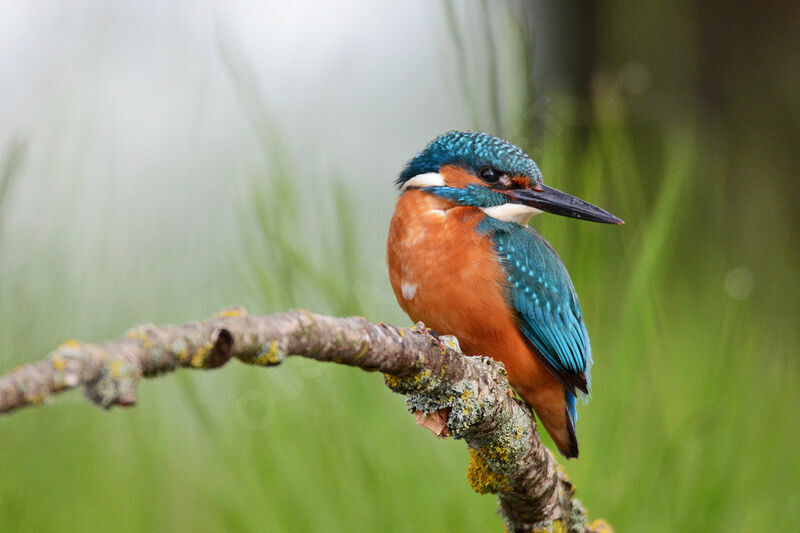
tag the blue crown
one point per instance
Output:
(471, 150)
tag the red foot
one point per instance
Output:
(436, 422)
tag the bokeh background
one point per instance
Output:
(162, 160)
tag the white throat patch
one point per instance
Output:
(430, 179)
(517, 213)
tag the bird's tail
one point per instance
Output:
(571, 450)
(563, 433)
(558, 418)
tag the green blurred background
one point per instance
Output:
(159, 161)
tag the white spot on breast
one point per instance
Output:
(409, 290)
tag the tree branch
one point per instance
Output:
(469, 394)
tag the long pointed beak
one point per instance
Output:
(560, 203)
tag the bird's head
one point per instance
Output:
(479, 170)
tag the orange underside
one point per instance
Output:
(446, 275)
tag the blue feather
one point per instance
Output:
(471, 150)
(473, 195)
(571, 409)
(541, 292)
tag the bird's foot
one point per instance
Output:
(435, 422)
(512, 393)
(421, 327)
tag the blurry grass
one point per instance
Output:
(10, 165)
(693, 425)
(281, 260)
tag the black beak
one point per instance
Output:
(560, 203)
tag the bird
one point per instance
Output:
(463, 260)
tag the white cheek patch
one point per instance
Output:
(517, 213)
(409, 290)
(430, 179)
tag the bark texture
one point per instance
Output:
(468, 395)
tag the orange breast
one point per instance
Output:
(445, 274)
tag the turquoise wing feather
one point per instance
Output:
(541, 292)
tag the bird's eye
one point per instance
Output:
(489, 174)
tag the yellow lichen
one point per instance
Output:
(180, 348)
(114, 367)
(466, 395)
(363, 351)
(413, 383)
(141, 336)
(417, 378)
(201, 355)
(451, 342)
(230, 313)
(600, 526)
(555, 527)
(392, 381)
(58, 363)
(70, 343)
(497, 452)
(518, 434)
(35, 399)
(482, 479)
(270, 356)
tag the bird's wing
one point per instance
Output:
(542, 294)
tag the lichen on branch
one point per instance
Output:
(468, 397)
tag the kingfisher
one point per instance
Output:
(463, 260)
